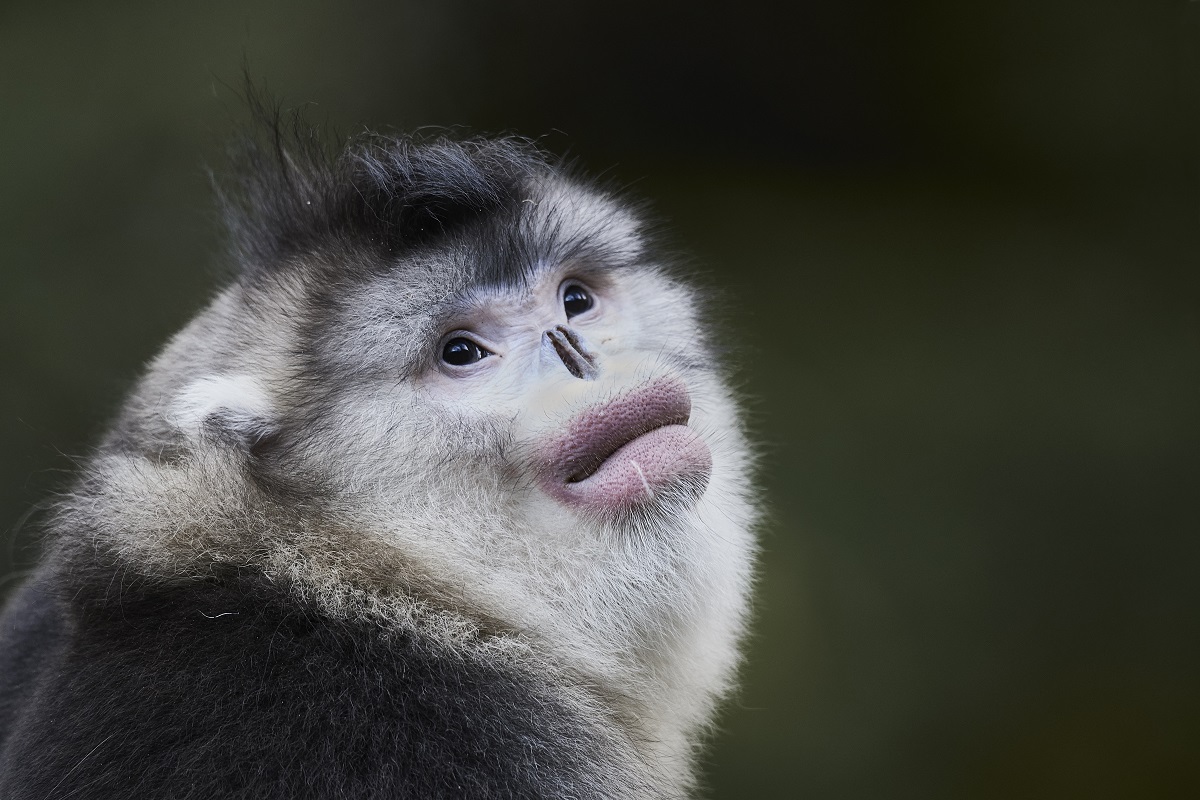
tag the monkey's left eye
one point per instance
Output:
(461, 351)
(576, 300)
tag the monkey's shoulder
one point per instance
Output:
(229, 686)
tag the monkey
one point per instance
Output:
(445, 494)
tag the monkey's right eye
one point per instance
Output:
(461, 351)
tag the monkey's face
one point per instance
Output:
(599, 412)
(539, 367)
(572, 389)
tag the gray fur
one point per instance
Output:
(300, 425)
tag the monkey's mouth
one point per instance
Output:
(628, 451)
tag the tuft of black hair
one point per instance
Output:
(289, 192)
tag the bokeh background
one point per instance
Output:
(957, 245)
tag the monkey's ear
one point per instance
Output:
(233, 409)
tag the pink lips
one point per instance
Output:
(624, 452)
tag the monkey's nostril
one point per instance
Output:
(572, 352)
(570, 336)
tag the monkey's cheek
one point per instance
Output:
(668, 458)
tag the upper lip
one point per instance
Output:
(603, 429)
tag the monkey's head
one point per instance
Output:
(450, 371)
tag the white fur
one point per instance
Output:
(241, 395)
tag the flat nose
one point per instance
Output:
(566, 346)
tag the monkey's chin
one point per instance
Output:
(642, 471)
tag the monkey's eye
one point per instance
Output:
(461, 351)
(576, 300)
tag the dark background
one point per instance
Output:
(958, 244)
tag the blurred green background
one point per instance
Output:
(958, 247)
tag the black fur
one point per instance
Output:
(378, 197)
(288, 194)
(117, 686)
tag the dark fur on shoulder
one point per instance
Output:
(245, 693)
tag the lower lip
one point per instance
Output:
(640, 470)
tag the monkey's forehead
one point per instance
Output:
(551, 224)
(555, 222)
(547, 217)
